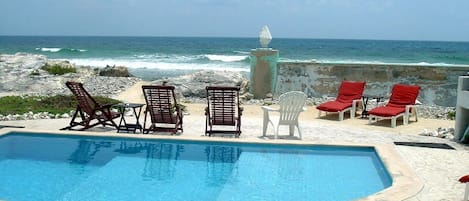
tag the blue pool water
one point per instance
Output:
(52, 167)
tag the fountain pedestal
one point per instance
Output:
(263, 72)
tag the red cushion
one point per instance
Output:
(403, 95)
(334, 106)
(349, 91)
(386, 111)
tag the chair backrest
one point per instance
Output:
(86, 102)
(291, 105)
(223, 104)
(402, 95)
(161, 102)
(349, 91)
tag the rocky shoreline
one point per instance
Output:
(21, 74)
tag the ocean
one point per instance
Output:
(157, 57)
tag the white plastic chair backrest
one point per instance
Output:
(291, 105)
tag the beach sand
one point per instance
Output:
(437, 169)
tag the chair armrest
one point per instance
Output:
(108, 105)
(357, 103)
(408, 107)
(267, 108)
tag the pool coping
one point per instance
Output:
(405, 183)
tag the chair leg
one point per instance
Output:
(414, 111)
(370, 119)
(319, 113)
(206, 126)
(466, 192)
(276, 131)
(299, 130)
(264, 125)
(341, 116)
(393, 122)
(292, 129)
(405, 119)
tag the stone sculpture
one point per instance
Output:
(265, 37)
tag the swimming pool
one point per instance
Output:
(58, 167)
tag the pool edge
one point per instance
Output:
(405, 183)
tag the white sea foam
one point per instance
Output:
(158, 65)
(58, 49)
(166, 58)
(225, 58)
(49, 49)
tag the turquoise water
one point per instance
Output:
(156, 57)
(48, 167)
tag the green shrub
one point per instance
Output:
(58, 104)
(451, 115)
(56, 69)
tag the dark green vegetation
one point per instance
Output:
(451, 115)
(58, 104)
(56, 69)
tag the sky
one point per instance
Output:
(440, 20)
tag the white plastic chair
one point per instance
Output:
(291, 105)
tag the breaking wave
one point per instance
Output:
(58, 49)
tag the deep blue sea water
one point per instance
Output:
(169, 55)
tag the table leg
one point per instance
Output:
(122, 122)
(365, 103)
(137, 116)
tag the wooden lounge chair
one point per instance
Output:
(401, 104)
(163, 109)
(223, 110)
(291, 105)
(348, 99)
(89, 110)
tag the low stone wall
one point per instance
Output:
(438, 83)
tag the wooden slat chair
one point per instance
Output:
(88, 110)
(223, 110)
(163, 109)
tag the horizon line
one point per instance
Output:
(294, 38)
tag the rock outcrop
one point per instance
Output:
(21, 74)
(193, 85)
(115, 71)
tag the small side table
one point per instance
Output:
(366, 98)
(123, 124)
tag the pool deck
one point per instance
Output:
(419, 174)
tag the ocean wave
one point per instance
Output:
(58, 49)
(242, 52)
(226, 58)
(165, 58)
(159, 65)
